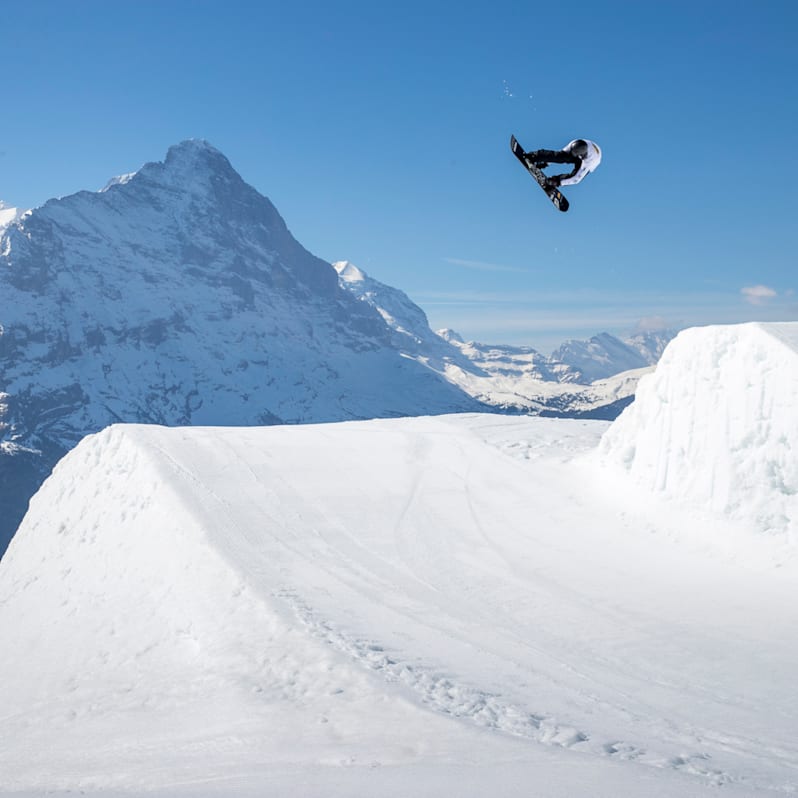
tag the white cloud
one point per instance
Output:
(757, 294)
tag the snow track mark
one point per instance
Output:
(437, 691)
(443, 694)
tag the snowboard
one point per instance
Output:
(552, 192)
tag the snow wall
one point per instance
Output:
(716, 425)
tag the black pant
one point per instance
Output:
(552, 156)
(545, 157)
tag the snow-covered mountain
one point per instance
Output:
(594, 378)
(577, 362)
(651, 343)
(604, 355)
(8, 215)
(521, 379)
(177, 295)
(460, 605)
(503, 360)
(407, 322)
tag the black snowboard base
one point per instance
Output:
(552, 192)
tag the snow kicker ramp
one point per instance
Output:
(714, 427)
(410, 607)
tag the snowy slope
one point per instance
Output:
(715, 426)
(419, 606)
(8, 215)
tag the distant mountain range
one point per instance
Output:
(176, 295)
(595, 377)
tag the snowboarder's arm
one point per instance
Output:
(576, 175)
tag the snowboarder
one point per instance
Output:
(585, 156)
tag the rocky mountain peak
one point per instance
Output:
(177, 295)
(193, 165)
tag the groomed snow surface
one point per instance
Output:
(466, 605)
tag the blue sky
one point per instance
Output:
(380, 132)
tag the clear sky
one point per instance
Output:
(380, 131)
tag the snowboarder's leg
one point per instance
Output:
(555, 180)
(551, 156)
(542, 158)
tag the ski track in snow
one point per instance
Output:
(443, 694)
